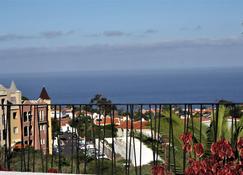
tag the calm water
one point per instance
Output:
(205, 85)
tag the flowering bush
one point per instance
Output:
(222, 161)
(3, 169)
(52, 170)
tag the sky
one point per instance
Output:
(109, 35)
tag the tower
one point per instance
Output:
(45, 98)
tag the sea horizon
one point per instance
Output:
(147, 86)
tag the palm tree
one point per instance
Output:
(220, 127)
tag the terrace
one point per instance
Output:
(116, 138)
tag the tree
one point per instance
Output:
(79, 123)
(23, 98)
(103, 104)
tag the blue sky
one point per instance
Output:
(120, 34)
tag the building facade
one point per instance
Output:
(37, 126)
(10, 95)
(30, 122)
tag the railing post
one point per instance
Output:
(59, 145)
(8, 141)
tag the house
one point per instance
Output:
(36, 122)
(12, 96)
(68, 112)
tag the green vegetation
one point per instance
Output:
(35, 161)
(208, 134)
(85, 127)
(24, 98)
(177, 125)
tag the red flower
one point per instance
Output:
(198, 149)
(186, 138)
(213, 148)
(221, 162)
(196, 168)
(222, 149)
(187, 148)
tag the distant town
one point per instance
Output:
(98, 129)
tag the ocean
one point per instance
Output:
(167, 86)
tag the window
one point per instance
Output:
(42, 127)
(42, 141)
(26, 142)
(30, 143)
(26, 131)
(4, 134)
(15, 130)
(41, 116)
(29, 116)
(25, 117)
(0, 135)
(14, 115)
(30, 130)
(3, 119)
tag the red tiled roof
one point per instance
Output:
(107, 121)
(136, 124)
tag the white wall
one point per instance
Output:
(147, 153)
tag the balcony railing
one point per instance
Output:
(112, 138)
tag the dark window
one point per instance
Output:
(4, 134)
(30, 130)
(25, 117)
(14, 115)
(26, 131)
(30, 116)
(26, 142)
(30, 143)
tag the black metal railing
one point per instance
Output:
(110, 138)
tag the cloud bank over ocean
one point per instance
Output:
(225, 52)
